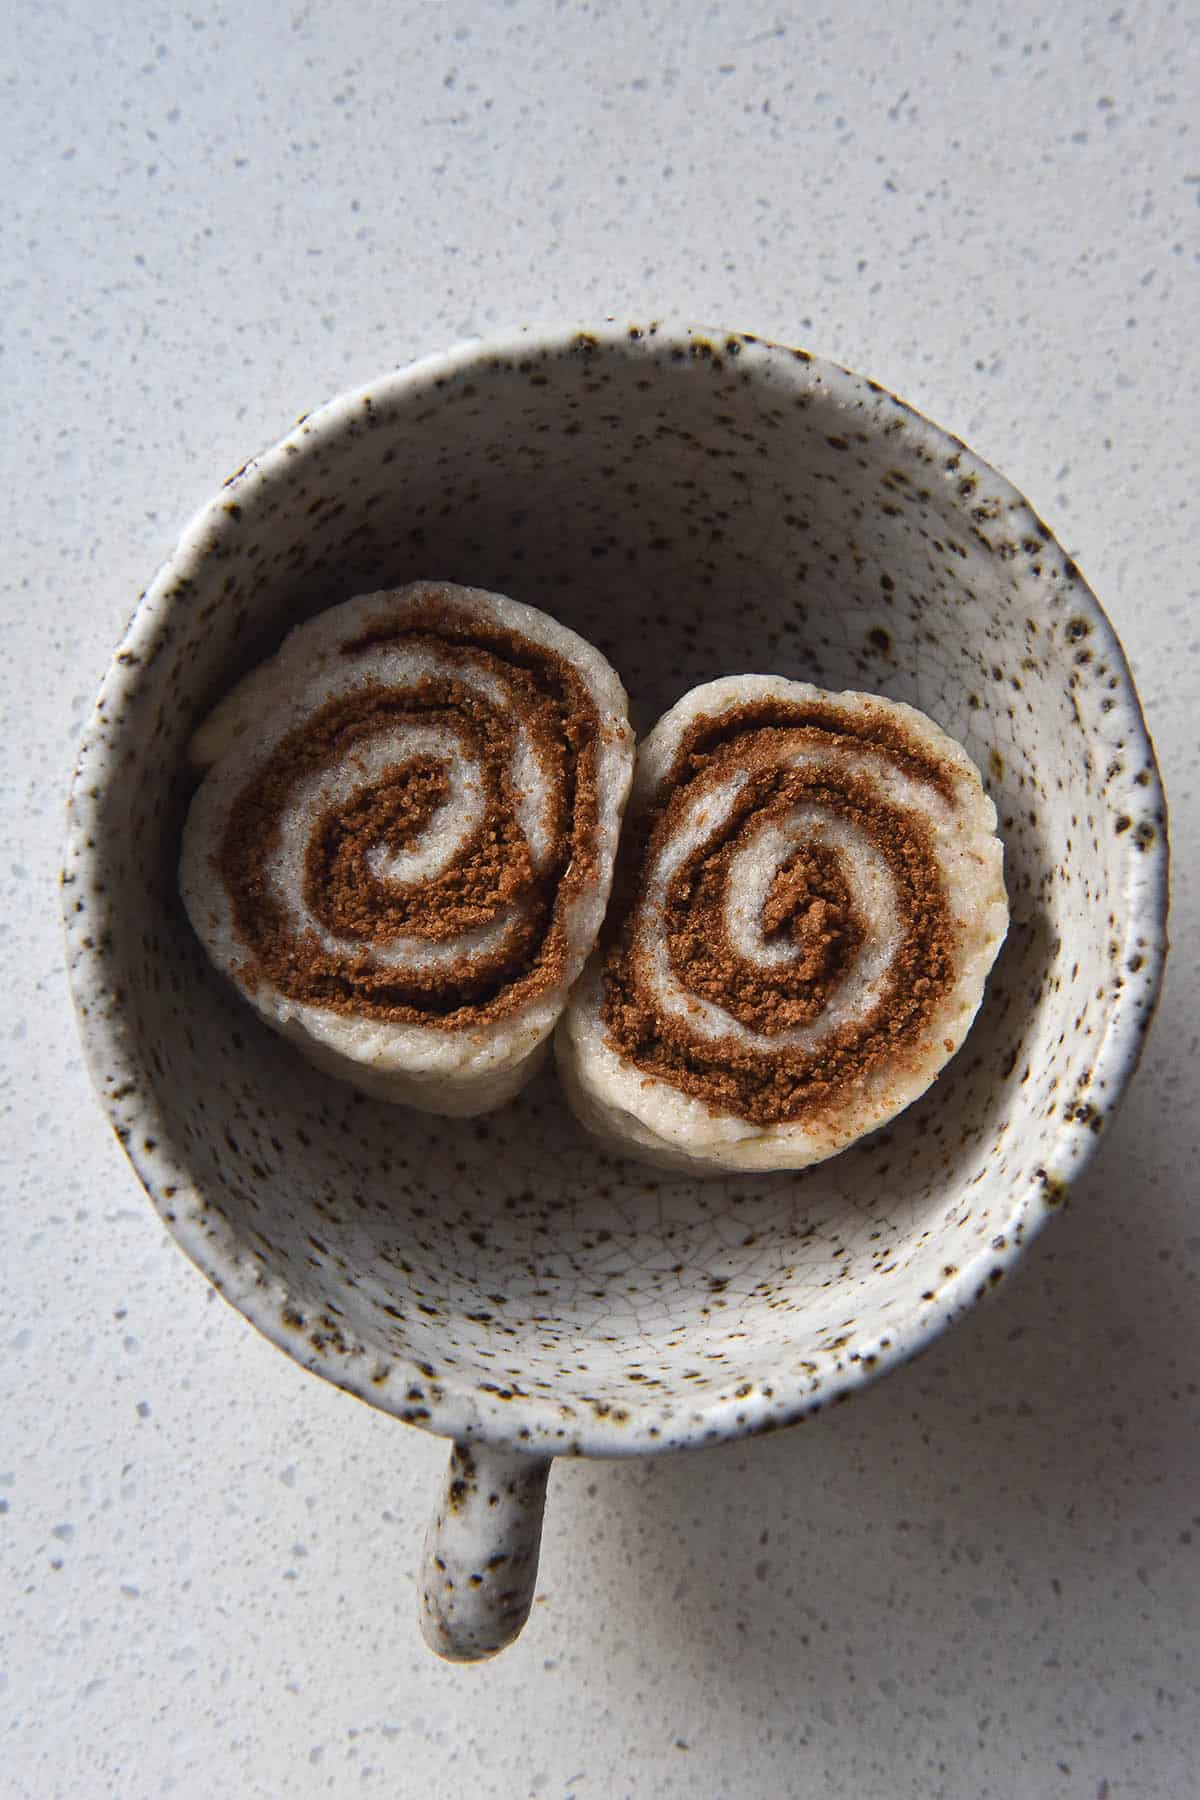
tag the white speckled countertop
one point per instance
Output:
(980, 1579)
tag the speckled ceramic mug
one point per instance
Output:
(696, 504)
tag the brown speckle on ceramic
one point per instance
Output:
(693, 515)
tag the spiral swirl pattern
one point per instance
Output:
(403, 852)
(809, 902)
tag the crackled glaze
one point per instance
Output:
(696, 505)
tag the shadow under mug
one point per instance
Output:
(696, 504)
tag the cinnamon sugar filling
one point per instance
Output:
(809, 902)
(492, 876)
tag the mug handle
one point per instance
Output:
(479, 1567)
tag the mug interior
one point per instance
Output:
(696, 506)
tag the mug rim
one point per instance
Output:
(529, 1422)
